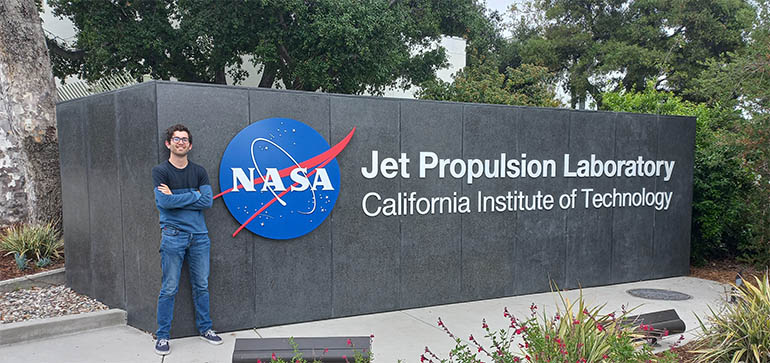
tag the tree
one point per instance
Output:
(596, 44)
(482, 82)
(29, 154)
(741, 80)
(344, 46)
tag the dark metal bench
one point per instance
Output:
(326, 349)
(657, 324)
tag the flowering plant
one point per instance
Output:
(575, 333)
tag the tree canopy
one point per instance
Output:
(344, 46)
(599, 44)
(482, 82)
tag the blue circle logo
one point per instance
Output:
(279, 178)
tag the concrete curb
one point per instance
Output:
(45, 328)
(42, 279)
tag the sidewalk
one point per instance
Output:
(399, 335)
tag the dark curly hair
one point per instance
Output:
(178, 127)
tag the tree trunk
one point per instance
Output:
(30, 188)
(268, 75)
(220, 76)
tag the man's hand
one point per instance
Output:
(163, 188)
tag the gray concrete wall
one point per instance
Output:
(353, 263)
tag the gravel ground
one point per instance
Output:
(47, 302)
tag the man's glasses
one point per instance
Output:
(180, 139)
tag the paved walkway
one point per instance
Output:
(400, 335)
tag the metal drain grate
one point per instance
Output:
(658, 294)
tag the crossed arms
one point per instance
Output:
(193, 200)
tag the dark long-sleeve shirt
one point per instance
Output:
(191, 194)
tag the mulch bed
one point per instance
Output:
(8, 269)
(725, 271)
(683, 353)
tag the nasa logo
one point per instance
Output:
(279, 178)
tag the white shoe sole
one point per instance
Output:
(162, 353)
(210, 341)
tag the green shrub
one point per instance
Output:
(33, 242)
(741, 332)
(726, 212)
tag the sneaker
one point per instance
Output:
(162, 347)
(211, 337)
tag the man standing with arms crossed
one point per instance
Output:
(182, 192)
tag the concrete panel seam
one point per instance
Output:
(565, 272)
(462, 192)
(331, 225)
(612, 210)
(120, 197)
(87, 149)
(157, 129)
(655, 185)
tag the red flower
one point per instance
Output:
(349, 342)
(599, 327)
(422, 358)
(371, 336)
(273, 358)
(326, 350)
(575, 321)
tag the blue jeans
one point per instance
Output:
(175, 247)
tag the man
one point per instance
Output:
(182, 192)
